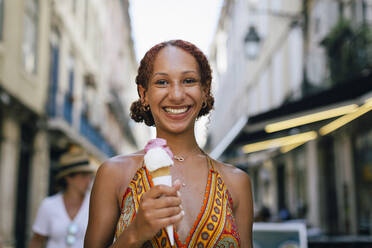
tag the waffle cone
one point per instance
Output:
(164, 171)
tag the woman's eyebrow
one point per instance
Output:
(166, 74)
(190, 71)
(160, 73)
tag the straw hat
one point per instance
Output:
(74, 162)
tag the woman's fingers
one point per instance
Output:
(159, 207)
(167, 201)
(164, 222)
(161, 190)
(167, 212)
(157, 223)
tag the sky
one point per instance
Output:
(154, 21)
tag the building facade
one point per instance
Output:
(67, 73)
(24, 84)
(299, 108)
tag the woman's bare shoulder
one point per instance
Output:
(237, 181)
(122, 163)
(230, 171)
(119, 170)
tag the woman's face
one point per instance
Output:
(174, 93)
(79, 181)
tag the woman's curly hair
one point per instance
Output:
(141, 114)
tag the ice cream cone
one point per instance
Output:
(164, 171)
(158, 159)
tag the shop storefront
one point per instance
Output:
(311, 160)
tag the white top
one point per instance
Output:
(53, 221)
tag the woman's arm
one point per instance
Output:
(239, 185)
(154, 212)
(37, 241)
(243, 211)
(103, 207)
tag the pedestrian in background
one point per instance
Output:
(62, 219)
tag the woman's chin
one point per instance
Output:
(176, 127)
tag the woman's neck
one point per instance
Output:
(73, 200)
(73, 195)
(182, 144)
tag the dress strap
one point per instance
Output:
(210, 163)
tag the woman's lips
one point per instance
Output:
(172, 110)
(177, 113)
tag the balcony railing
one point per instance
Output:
(67, 109)
(53, 80)
(91, 133)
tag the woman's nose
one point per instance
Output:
(176, 92)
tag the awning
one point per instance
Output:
(300, 120)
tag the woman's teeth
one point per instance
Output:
(176, 111)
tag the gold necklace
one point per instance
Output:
(182, 158)
(179, 158)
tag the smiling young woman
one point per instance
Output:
(209, 204)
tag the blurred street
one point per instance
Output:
(294, 78)
(292, 81)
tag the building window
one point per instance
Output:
(1, 18)
(30, 33)
(54, 71)
(358, 11)
(88, 95)
(69, 95)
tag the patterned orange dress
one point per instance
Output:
(214, 227)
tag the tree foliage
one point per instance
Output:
(349, 50)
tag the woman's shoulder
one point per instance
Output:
(122, 164)
(51, 201)
(237, 181)
(117, 172)
(230, 171)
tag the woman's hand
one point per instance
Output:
(159, 208)
(37, 241)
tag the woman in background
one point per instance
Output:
(62, 219)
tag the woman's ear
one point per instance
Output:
(142, 93)
(206, 91)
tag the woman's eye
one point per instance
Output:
(189, 80)
(161, 82)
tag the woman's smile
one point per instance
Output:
(176, 111)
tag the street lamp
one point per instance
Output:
(251, 43)
(252, 39)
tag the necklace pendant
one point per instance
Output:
(178, 158)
